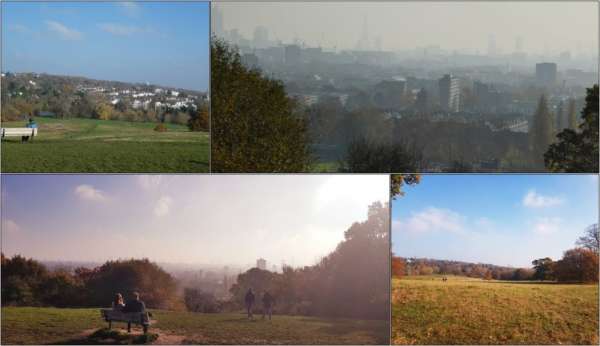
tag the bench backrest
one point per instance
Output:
(133, 317)
(19, 131)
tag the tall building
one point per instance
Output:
(261, 37)
(292, 54)
(545, 74)
(261, 263)
(449, 93)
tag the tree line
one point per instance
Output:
(578, 265)
(350, 282)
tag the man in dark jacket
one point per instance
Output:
(249, 300)
(134, 305)
(268, 302)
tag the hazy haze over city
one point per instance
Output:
(468, 27)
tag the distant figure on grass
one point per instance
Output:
(444, 279)
(31, 124)
(249, 300)
(268, 302)
(118, 303)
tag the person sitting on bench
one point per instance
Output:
(134, 305)
(30, 125)
(118, 304)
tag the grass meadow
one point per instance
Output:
(426, 310)
(105, 146)
(32, 325)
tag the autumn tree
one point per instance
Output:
(199, 120)
(397, 180)
(398, 267)
(591, 238)
(577, 151)
(577, 265)
(254, 128)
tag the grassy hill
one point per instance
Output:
(24, 325)
(107, 146)
(426, 310)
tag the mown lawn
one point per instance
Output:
(105, 146)
(426, 310)
(22, 325)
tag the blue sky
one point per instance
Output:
(161, 43)
(498, 219)
(200, 219)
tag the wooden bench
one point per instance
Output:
(24, 132)
(139, 318)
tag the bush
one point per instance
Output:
(160, 128)
(365, 156)
(253, 126)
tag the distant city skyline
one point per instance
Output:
(503, 27)
(194, 219)
(506, 220)
(155, 42)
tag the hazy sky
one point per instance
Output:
(498, 219)
(552, 26)
(161, 43)
(218, 219)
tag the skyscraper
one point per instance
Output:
(449, 93)
(545, 74)
(261, 37)
(261, 263)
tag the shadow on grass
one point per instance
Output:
(111, 337)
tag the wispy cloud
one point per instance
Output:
(130, 8)
(433, 219)
(63, 31)
(163, 206)
(547, 225)
(10, 227)
(535, 200)
(89, 193)
(149, 182)
(125, 30)
(19, 28)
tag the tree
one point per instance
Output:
(577, 152)
(365, 156)
(541, 132)
(254, 128)
(103, 111)
(572, 115)
(578, 265)
(543, 269)
(591, 239)
(199, 120)
(397, 180)
(398, 267)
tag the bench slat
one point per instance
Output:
(18, 131)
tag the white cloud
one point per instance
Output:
(22, 29)
(433, 219)
(10, 227)
(130, 8)
(120, 29)
(546, 225)
(89, 193)
(149, 182)
(63, 32)
(163, 206)
(534, 200)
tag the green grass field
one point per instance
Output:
(23, 325)
(105, 146)
(426, 310)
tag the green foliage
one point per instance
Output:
(541, 132)
(577, 152)
(197, 301)
(253, 125)
(365, 156)
(543, 269)
(156, 287)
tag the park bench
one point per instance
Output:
(24, 132)
(140, 318)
